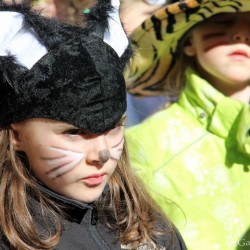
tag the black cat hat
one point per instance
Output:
(62, 72)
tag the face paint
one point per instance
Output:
(61, 161)
(214, 39)
(104, 156)
(116, 151)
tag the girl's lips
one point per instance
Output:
(239, 55)
(93, 180)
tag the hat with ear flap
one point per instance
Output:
(62, 72)
(158, 41)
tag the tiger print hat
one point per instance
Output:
(157, 41)
(52, 70)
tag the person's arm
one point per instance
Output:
(134, 12)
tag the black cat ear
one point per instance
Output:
(103, 20)
(15, 39)
(20, 47)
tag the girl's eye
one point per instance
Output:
(73, 132)
(79, 132)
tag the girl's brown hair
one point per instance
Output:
(175, 80)
(134, 212)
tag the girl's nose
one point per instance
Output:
(241, 37)
(242, 33)
(98, 153)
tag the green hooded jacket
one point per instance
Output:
(194, 157)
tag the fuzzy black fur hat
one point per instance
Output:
(78, 78)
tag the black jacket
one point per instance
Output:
(83, 230)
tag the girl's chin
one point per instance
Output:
(89, 196)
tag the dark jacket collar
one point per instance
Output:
(73, 209)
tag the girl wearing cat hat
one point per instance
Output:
(65, 179)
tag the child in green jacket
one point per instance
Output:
(195, 155)
(65, 179)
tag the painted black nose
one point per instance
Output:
(104, 156)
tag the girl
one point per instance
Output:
(63, 184)
(197, 151)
